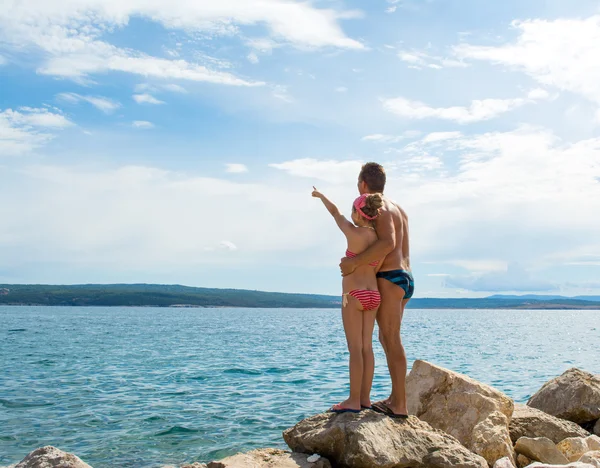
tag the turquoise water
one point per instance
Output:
(144, 387)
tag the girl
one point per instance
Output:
(360, 298)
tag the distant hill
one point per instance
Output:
(158, 295)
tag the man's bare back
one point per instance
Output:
(399, 258)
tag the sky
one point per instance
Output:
(178, 141)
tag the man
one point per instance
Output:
(394, 280)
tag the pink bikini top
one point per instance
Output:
(352, 255)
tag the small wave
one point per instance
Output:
(16, 404)
(200, 378)
(14, 330)
(177, 430)
(154, 418)
(278, 370)
(242, 371)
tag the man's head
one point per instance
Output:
(371, 178)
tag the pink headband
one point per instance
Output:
(359, 204)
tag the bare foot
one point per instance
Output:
(349, 404)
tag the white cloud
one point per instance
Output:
(562, 53)
(117, 211)
(281, 92)
(228, 245)
(441, 136)
(331, 171)
(146, 99)
(142, 124)
(104, 104)
(505, 197)
(175, 88)
(69, 31)
(538, 94)
(341, 89)
(418, 60)
(479, 110)
(253, 58)
(147, 88)
(391, 9)
(26, 129)
(381, 138)
(236, 168)
(37, 117)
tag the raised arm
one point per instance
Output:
(386, 242)
(339, 218)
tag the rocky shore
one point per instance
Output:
(455, 422)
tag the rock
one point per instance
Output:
(51, 457)
(504, 463)
(269, 458)
(531, 422)
(194, 465)
(540, 449)
(575, 395)
(370, 439)
(570, 465)
(592, 458)
(523, 461)
(597, 428)
(574, 447)
(474, 413)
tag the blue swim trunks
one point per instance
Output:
(401, 278)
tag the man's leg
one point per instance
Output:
(389, 319)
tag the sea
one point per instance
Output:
(148, 387)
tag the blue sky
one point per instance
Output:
(177, 142)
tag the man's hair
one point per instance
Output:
(373, 175)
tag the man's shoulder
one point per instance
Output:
(391, 206)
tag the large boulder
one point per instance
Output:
(269, 458)
(575, 395)
(474, 413)
(574, 447)
(540, 449)
(531, 422)
(51, 457)
(592, 458)
(370, 439)
(597, 428)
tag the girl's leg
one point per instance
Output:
(368, 323)
(352, 318)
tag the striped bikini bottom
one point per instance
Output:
(369, 300)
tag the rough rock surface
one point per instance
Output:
(51, 457)
(575, 395)
(570, 465)
(523, 461)
(474, 413)
(194, 465)
(269, 458)
(531, 422)
(597, 428)
(593, 458)
(369, 439)
(540, 449)
(574, 447)
(504, 462)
